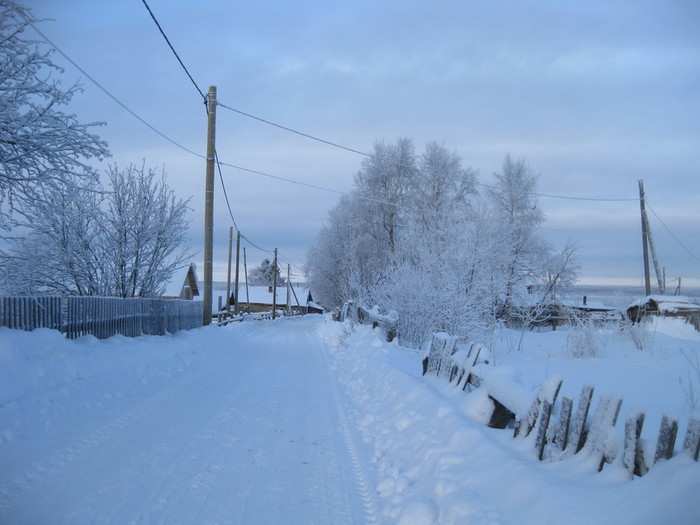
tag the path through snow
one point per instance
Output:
(246, 433)
(295, 421)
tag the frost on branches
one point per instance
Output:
(416, 237)
(124, 240)
(40, 146)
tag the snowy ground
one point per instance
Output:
(306, 421)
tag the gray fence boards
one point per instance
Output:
(101, 317)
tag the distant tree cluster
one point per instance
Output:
(71, 234)
(264, 275)
(417, 237)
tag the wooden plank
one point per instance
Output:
(632, 451)
(501, 416)
(667, 438)
(605, 417)
(524, 426)
(561, 437)
(548, 400)
(691, 443)
(577, 437)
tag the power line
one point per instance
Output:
(589, 199)
(261, 173)
(672, 234)
(223, 187)
(285, 128)
(175, 143)
(369, 155)
(106, 92)
(173, 50)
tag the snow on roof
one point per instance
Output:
(669, 303)
(263, 295)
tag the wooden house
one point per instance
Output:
(666, 306)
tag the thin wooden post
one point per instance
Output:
(228, 271)
(274, 287)
(235, 288)
(245, 272)
(632, 457)
(577, 436)
(561, 436)
(691, 443)
(667, 438)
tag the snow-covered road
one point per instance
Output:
(253, 433)
(295, 421)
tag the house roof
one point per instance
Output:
(190, 282)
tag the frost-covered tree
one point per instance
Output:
(264, 274)
(518, 219)
(414, 237)
(145, 225)
(63, 252)
(124, 240)
(40, 145)
(381, 188)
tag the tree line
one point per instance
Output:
(67, 229)
(420, 237)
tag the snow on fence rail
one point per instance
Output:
(100, 316)
(362, 315)
(574, 433)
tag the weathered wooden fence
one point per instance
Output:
(359, 314)
(100, 316)
(574, 433)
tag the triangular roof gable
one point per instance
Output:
(190, 282)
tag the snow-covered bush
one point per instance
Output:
(583, 339)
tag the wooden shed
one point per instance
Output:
(666, 306)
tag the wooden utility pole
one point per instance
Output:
(289, 295)
(645, 248)
(648, 245)
(238, 257)
(228, 273)
(245, 272)
(274, 287)
(209, 205)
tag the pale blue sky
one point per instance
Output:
(595, 94)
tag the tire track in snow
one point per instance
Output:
(366, 491)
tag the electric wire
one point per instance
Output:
(291, 130)
(257, 172)
(114, 98)
(682, 245)
(588, 199)
(161, 134)
(223, 187)
(173, 50)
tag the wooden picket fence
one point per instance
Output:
(574, 433)
(101, 317)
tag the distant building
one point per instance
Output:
(190, 289)
(666, 306)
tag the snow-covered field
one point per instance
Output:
(308, 421)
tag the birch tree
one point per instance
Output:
(40, 145)
(145, 225)
(518, 219)
(124, 240)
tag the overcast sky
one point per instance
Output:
(594, 94)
